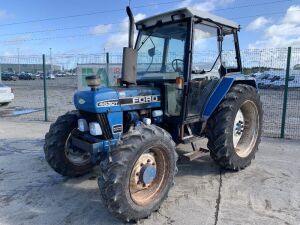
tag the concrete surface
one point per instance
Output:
(267, 192)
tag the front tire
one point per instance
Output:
(234, 130)
(58, 151)
(127, 190)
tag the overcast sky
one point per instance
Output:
(29, 25)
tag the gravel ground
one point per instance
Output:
(267, 192)
(29, 94)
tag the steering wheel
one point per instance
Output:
(177, 68)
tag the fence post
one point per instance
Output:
(286, 88)
(107, 68)
(45, 89)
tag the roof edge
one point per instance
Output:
(188, 12)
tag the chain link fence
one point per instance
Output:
(65, 74)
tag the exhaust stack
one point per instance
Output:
(131, 27)
(129, 54)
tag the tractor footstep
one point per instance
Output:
(194, 155)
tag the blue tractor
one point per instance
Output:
(181, 81)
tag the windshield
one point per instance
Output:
(161, 52)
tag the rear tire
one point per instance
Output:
(57, 152)
(234, 129)
(122, 192)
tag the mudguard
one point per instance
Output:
(222, 89)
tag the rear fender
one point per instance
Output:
(222, 89)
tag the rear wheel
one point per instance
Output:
(60, 154)
(234, 130)
(138, 173)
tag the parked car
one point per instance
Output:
(24, 77)
(37, 75)
(32, 77)
(50, 76)
(60, 74)
(6, 94)
(8, 77)
(27, 76)
(70, 74)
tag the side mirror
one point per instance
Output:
(151, 52)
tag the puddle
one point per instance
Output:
(18, 111)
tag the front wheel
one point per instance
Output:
(138, 173)
(59, 153)
(234, 129)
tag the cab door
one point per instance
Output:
(206, 61)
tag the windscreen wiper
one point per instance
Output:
(207, 71)
(146, 38)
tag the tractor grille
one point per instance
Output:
(101, 118)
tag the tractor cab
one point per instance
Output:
(186, 53)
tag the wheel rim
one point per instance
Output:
(148, 176)
(77, 157)
(245, 129)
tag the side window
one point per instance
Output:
(229, 60)
(205, 51)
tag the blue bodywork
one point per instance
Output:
(221, 90)
(113, 101)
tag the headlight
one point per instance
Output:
(82, 125)
(95, 129)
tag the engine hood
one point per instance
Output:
(114, 99)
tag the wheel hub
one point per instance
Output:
(238, 127)
(148, 173)
(76, 156)
(145, 171)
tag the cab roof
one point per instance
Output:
(185, 13)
